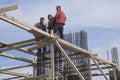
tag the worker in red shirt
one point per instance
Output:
(60, 19)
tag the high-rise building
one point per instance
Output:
(115, 59)
(81, 60)
(77, 38)
(83, 40)
(114, 53)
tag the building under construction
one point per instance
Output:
(115, 59)
(67, 59)
(81, 61)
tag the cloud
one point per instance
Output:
(102, 13)
(86, 14)
(102, 51)
(95, 13)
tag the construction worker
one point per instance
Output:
(60, 19)
(41, 51)
(41, 24)
(51, 22)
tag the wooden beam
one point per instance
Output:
(52, 53)
(18, 43)
(16, 57)
(15, 73)
(37, 77)
(11, 78)
(69, 46)
(92, 57)
(70, 61)
(9, 8)
(23, 25)
(11, 20)
(17, 48)
(41, 44)
(96, 74)
(80, 68)
(17, 67)
(74, 48)
(105, 61)
(26, 51)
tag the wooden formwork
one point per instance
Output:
(45, 39)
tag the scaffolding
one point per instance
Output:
(115, 59)
(80, 60)
(60, 54)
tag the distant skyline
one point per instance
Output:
(99, 18)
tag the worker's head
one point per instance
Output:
(42, 19)
(50, 17)
(58, 8)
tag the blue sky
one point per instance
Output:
(100, 18)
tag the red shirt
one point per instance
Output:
(61, 18)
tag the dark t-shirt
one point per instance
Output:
(41, 26)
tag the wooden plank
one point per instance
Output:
(75, 48)
(92, 57)
(43, 44)
(96, 74)
(9, 8)
(15, 73)
(72, 47)
(82, 69)
(52, 55)
(12, 21)
(11, 78)
(26, 51)
(22, 24)
(16, 57)
(107, 62)
(9, 47)
(70, 61)
(20, 49)
(22, 42)
(17, 67)
(37, 77)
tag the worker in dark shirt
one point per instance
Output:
(50, 22)
(41, 51)
(41, 24)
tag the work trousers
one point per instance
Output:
(59, 27)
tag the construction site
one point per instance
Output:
(68, 59)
